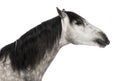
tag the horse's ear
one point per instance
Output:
(62, 13)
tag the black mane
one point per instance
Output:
(30, 48)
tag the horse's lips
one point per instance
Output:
(102, 43)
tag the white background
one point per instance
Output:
(73, 63)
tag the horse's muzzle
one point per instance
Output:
(104, 41)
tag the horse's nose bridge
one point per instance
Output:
(93, 28)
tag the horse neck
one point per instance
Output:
(50, 55)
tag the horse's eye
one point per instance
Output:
(78, 22)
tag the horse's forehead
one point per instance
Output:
(75, 17)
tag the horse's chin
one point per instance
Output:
(101, 46)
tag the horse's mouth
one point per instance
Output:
(102, 43)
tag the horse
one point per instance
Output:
(28, 58)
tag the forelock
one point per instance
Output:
(75, 17)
